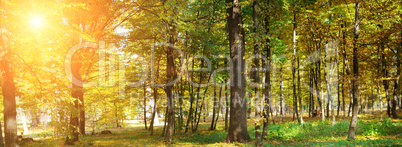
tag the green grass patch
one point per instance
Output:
(311, 133)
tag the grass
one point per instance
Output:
(369, 132)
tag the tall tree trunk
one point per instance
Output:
(181, 96)
(219, 107)
(238, 105)
(311, 104)
(197, 121)
(282, 98)
(227, 105)
(191, 91)
(385, 75)
(267, 84)
(396, 85)
(77, 94)
(398, 72)
(327, 77)
(8, 89)
(82, 114)
(318, 72)
(294, 64)
(145, 106)
(355, 90)
(299, 92)
(347, 68)
(213, 110)
(318, 87)
(154, 115)
(395, 99)
(337, 88)
(256, 76)
(378, 81)
(322, 88)
(165, 122)
(385, 82)
(226, 110)
(151, 125)
(171, 74)
(343, 76)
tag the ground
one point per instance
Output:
(370, 132)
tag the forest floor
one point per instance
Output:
(370, 132)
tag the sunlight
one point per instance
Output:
(36, 21)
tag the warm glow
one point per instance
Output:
(36, 21)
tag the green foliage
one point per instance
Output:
(311, 133)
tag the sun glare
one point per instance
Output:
(36, 21)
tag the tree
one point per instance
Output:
(267, 89)
(238, 118)
(78, 94)
(294, 64)
(256, 76)
(353, 121)
(170, 75)
(8, 90)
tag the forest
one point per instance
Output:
(200, 73)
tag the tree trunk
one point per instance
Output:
(171, 74)
(226, 110)
(181, 96)
(398, 73)
(267, 90)
(165, 122)
(227, 105)
(396, 86)
(145, 106)
(322, 88)
(395, 99)
(77, 94)
(282, 98)
(256, 76)
(353, 121)
(213, 110)
(238, 105)
(316, 81)
(327, 77)
(318, 76)
(343, 68)
(337, 88)
(197, 121)
(343, 91)
(311, 104)
(8, 89)
(191, 91)
(299, 92)
(294, 65)
(249, 104)
(347, 69)
(385, 75)
(378, 81)
(219, 108)
(151, 125)
(154, 115)
(82, 115)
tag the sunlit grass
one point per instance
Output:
(311, 133)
